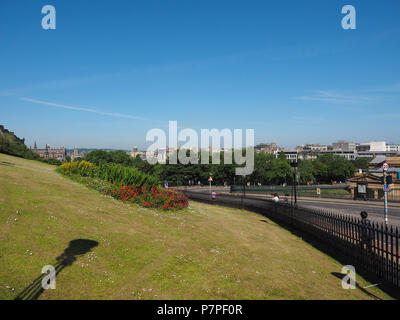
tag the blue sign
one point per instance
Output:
(386, 188)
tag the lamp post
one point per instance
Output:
(210, 181)
(294, 164)
(244, 186)
(385, 168)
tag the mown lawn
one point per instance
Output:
(203, 252)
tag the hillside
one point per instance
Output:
(105, 249)
(12, 145)
(10, 136)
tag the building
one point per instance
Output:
(315, 147)
(344, 145)
(369, 154)
(348, 154)
(307, 155)
(392, 147)
(369, 185)
(372, 146)
(271, 148)
(290, 154)
(49, 153)
(76, 154)
(135, 152)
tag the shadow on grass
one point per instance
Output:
(317, 243)
(340, 257)
(76, 248)
(5, 163)
(341, 276)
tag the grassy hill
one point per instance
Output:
(203, 252)
(12, 145)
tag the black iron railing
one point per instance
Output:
(372, 247)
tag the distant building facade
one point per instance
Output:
(49, 153)
(135, 152)
(369, 185)
(344, 145)
(76, 154)
(271, 148)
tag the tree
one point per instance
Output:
(305, 170)
(319, 171)
(117, 157)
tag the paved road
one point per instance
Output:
(348, 207)
(375, 210)
(351, 207)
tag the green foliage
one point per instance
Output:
(361, 163)
(337, 168)
(17, 149)
(305, 171)
(268, 170)
(117, 157)
(54, 162)
(114, 173)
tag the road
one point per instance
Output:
(347, 207)
(375, 210)
(353, 208)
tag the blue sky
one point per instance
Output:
(112, 70)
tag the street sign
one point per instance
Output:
(385, 167)
(386, 188)
(210, 179)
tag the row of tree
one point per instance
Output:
(268, 169)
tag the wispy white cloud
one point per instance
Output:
(307, 120)
(389, 88)
(83, 109)
(334, 97)
(383, 115)
(55, 84)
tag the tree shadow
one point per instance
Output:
(76, 248)
(5, 163)
(341, 276)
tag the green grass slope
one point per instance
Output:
(203, 252)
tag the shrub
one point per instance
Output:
(125, 184)
(113, 173)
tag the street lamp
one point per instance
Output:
(210, 181)
(294, 164)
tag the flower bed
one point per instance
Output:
(149, 196)
(125, 183)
